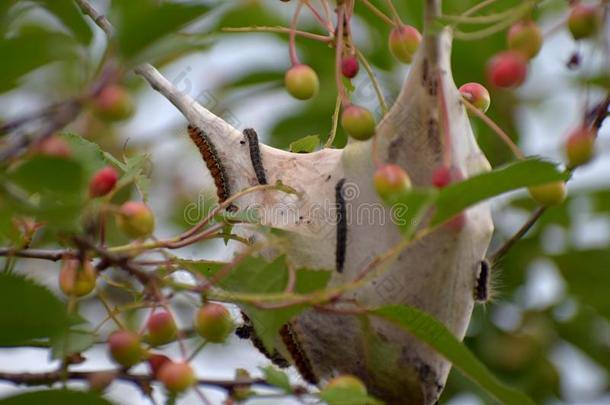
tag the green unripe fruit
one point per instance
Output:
(358, 122)
(136, 219)
(403, 42)
(76, 278)
(525, 38)
(580, 147)
(125, 348)
(213, 322)
(584, 21)
(347, 382)
(477, 95)
(391, 180)
(112, 103)
(549, 194)
(301, 82)
(176, 376)
(162, 328)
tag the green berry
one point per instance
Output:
(358, 122)
(301, 82)
(584, 21)
(391, 180)
(549, 194)
(162, 328)
(476, 95)
(136, 219)
(76, 278)
(403, 42)
(580, 147)
(347, 382)
(112, 103)
(125, 348)
(213, 322)
(525, 38)
(176, 376)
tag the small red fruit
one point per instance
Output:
(358, 122)
(301, 82)
(403, 42)
(125, 348)
(176, 376)
(549, 194)
(76, 278)
(136, 219)
(390, 180)
(103, 181)
(477, 95)
(213, 322)
(525, 38)
(507, 69)
(112, 103)
(53, 145)
(580, 147)
(349, 66)
(162, 328)
(155, 362)
(441, 177)
(584, 21)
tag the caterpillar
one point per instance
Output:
(341, 226)
(213, 163)
(481, 289)
(255, 155)
(246, 331)
(301, 361)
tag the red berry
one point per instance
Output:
(390, 180)
(103, 181)
(162, 328)
(301, 82)
(125, 348)
(477, 95)
(213, 322)
(136, 219)
(350, 66)
(76, 278)
(53, 146)
(507, 69)
(358, 122)
(155, 362)
(580, 147)
(549, 194)
(176, 376)
(403, 42)
(112, 103)
(441, 177)
(525, 38)
(584, 21)
(347, 382)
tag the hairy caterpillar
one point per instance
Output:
(301, 361)
(213, 163)
(341, 226)
(246, 331)
(255, 155)
(481, 289)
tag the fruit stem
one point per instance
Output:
(339, 55)
(256, 28)
(374, 82)
(378, 13)
(516, 14)
(294, 59)
(518, 235)
(494, 127)
(398, 21)
(323, 22)
(333, 131)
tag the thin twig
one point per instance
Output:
(282, 30)
(518, 235)
(378, 12)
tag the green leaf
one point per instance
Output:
(89, 154)
(306, 144)
(69, 14)
(50, 174)
(28, 311)
(30, 50)
(431, 331)
(140, 23)
(55, 397)
(74, 340)
(137, 169)
(277, 378)
(408, 208)
(524, 173)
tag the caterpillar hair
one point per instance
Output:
(481, 289)
(341, 226)
(255, 155)
(212, 162)
(301, 362)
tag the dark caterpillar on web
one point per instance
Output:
(255, 155)
(213, 163)
(341, 226)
